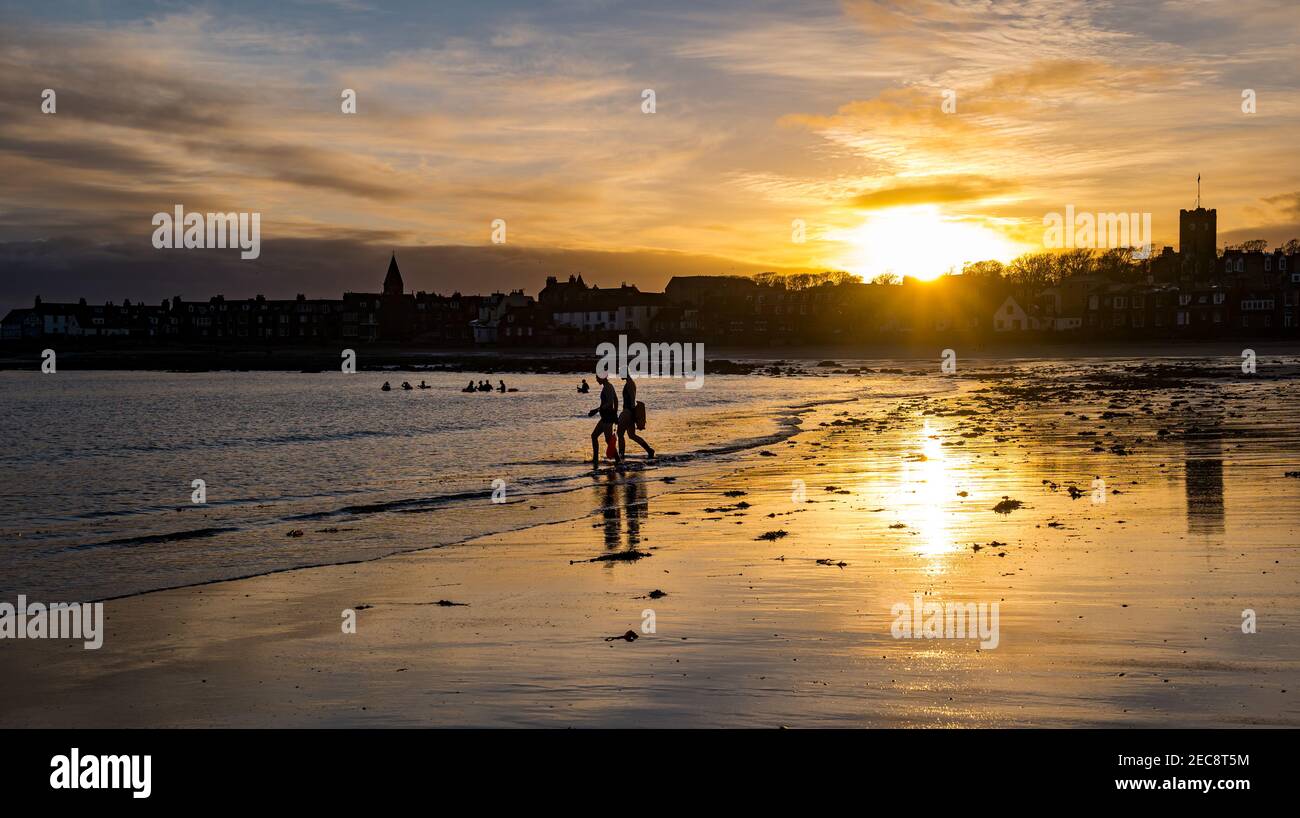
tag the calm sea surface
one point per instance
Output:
(96, 470)
(98, 466)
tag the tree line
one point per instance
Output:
(1029, 272)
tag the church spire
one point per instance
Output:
(393, 281)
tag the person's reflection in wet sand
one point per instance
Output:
(610, 511)
(635, 508)
(1203, 468)
(622, 501)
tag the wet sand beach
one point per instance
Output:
(1141, 509)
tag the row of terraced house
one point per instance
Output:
(1197, 292)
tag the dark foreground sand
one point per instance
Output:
(1122, 612)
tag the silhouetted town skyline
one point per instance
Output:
(1197, 291)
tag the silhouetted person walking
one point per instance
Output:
(608, 411)
(627, 420)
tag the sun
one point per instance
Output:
(918, 241)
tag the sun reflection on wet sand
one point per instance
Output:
(925, 491)
(1110, 612)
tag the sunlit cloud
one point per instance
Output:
(826, 114)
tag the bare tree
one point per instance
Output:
(1077, 262)
(1117, 265)
(1253, 246)
(989, 270)
(1033, 272)
(804, 281)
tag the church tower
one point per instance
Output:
(393, 281)
(1197, 237)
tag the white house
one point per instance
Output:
(1011, 317)
(617, 312)
(490, 312)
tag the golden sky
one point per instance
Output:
(766, 113)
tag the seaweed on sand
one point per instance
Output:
(631, 555)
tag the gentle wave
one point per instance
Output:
(149, 539)
(526, 487)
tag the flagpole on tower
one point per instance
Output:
(1198, 191)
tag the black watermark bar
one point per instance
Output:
(135, 769)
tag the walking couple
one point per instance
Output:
(626, 423)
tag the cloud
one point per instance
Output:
(815, 112)
(903, 15)
(943, 190)
(1286, 204)
(525, 124)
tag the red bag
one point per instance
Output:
(611, 446)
